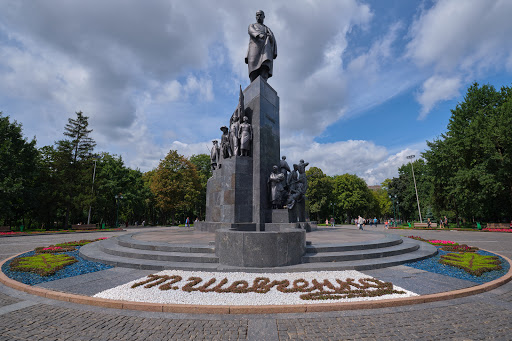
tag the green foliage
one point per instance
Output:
(42, 264)
(403, 188)
(471, 165)
(472, 263)
(203, 166)
(353, 197)
(320, 195)
(175, 185)
(19, 172)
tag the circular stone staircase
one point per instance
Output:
(181, 250)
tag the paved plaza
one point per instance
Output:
(478, 317)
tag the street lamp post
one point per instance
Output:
(410, 157)
(92, 190)
(118, 197)
(398, 210)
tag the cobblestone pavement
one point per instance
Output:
(485, 316)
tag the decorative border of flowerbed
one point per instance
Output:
(41, 274)
(241, 288)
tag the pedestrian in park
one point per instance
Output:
(187, 222)
(386, 224)
(375, 221)
(445, 222)
(332, 222)
(429, 224)
(360, 222)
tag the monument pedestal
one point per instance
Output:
(260, 249)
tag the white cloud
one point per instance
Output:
(388, 168)
(458, 42)
(436, 89)
(454, 34)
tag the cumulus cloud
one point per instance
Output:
(388, 168)
(469, 38)
(436, 89)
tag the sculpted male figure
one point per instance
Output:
(262, 49)
(284, 167)
(215, 154)
(225, 146)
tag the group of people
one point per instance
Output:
(361, 222)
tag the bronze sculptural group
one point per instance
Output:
(235, 140)
(288, 190)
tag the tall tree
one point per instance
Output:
(471, 163)
(320, 196)
(18, 168)
(74, 159)
(353, 196)
(203, 166)
(175, 185)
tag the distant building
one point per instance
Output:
(374, 187)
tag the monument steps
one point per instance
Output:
(125, 251)
(192, 255)
(341, 256)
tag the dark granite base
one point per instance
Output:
(260, 249)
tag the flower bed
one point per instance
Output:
(496, 230)
(39, 274)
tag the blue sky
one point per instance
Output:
(362, 84)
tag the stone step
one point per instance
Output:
(95, 253)
(341, 256)
(130, 242)
(387, 241)
(112, 247)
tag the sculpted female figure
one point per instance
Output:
(245, 134)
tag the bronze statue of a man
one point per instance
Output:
(262, 49)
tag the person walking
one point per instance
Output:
(360, 222)
(187, 222)
(375, 221)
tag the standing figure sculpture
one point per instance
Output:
(245, 134)
(262, 49)
(233, 135)
(285, 169)
(215, 155)
(224, 143)
(276, 187)
(301, 168)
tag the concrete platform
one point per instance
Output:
(188, 249)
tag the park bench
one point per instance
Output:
(5, 229)
(425, 224)
(83, 227)
(498, 225)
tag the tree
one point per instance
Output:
(353, 196)
(320, 198)
(73, 158)
(203, 166)
(18, 168)
(402, 189)
(471, 164)
(175, 185)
